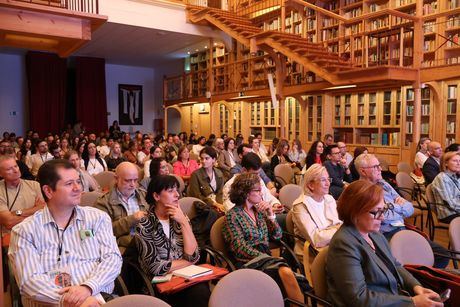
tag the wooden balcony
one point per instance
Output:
(59, 26)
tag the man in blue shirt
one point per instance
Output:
(369, 169)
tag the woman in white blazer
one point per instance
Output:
(315, 212)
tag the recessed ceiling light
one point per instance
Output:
(205, 47)
(188, 52)
(196, 50)
(215, 44)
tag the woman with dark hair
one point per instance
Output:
(91, 161)
(196, 149)
(81, 147)
(315, 154)
(192, 139)
(125, 139)
(249, 226)
(165, 240)
(64, 146)
(155, 152)
(131, 154)
(211, 139)
(361, 271)
(239, 139)
(183, 138)
(158, 166)
(281, 155)
(115, 130)
(184, 166)
(358, 151)
(207, 182)
(422, 154)
(297, 154)
(25, 151)
(228, 158)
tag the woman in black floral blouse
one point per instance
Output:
(165, 240)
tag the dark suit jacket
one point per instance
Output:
(357, 277)
(430, 170)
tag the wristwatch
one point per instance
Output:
(18, 212)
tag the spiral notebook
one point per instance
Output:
(192, 271)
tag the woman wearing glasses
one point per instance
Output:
(315, 212)
(361, 270)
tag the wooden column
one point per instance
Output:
(417, 63)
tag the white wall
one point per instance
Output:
(121, 74)
(13, 94)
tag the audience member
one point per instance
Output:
(328, 140)
(131, 153)
(255, 144)
(41, 156)
(361, 271)
(196, 149)
(91, 161)
(144, 154)
(422, 152)
(103, 149)
(158, 166)
(64, 254)
(114, 158)
(358, 151)
(297, 155)
(281, 155)
(184, 166)
(431, 168)
(228, 158)
(338, 171)
(87, 181)
(345, 154)
(315, 154)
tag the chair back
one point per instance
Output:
(105, 179)
(89, 198)
(318, 273)
(288, 194)
(170, 168)
(454, 235)
(283, 173)
(289, 222)
(246, 287)
(383, 164)
(181, 183)
(429, 194)
(405, 167)
(409, 247)
(186, 204)
(403, 180)
(217, 237)
(194, 156)
(137, 300)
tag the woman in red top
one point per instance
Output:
(184, 166)
(315, 154)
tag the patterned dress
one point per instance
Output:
(156, 251)
(247, 239)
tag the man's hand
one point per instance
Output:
(75, 295)
(139, 215)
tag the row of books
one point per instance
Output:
(391, 139)
(450, 127)
(452, 92)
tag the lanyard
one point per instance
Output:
(15, 198)
(61, 238)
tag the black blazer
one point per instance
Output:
(430, 170)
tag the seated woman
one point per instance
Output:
(422, 153)
(207, 182)
(361, 270)
(131, 153)
(91, 161)
(184, 166)
(165, 240)
(196, 149)
(158, 166)
(315, 154)
(297, 154)
(228, 158)
(446, 187)
(155, 152)
(249, 226)
(315, 214)
(281, 155)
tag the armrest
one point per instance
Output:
(219, 256)
(292, 255)
(316, 298)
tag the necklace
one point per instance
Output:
(93, 164)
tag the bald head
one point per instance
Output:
(126, 175)
(435, 149)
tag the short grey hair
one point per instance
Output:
(363, 160)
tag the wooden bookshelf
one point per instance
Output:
(264, 119)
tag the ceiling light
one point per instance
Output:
(188, 52)
(196, 50)
(215, 44)
(340, 87)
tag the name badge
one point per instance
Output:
(86, 233)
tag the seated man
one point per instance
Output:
(18, 198)
(124, 203)
(431, 168)
(23, 168)
(369, 169)
(41, 156)
(64, 253)
(337, 170)
(251, 163)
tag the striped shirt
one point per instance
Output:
(446, 190)
(93, 261)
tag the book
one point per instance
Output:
(192, 271)
(160, 279)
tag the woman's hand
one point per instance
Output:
(175, 212)
(422, 290)
(426, 297)
(263, 206)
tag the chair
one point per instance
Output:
(105, 179)
(288, 194)
(318, 273)
(170, 168)
(433, 222)
(405, 167)
(89, 198)
(406, 187)
(218, 244)
(181, 183)
(409, 247)
(186, 204)
(454, 236)
(137, 300)
(283, 174)
(246, 287)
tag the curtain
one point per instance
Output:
(90, 93)
(46, 76)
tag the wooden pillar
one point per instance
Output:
(283, 16)
(417, 114)
(417, 63)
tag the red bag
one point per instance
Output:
(437, 280)
(178, 283)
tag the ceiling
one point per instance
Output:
(132, 45)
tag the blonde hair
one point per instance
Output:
(446, 157)
(363, 160)
(313, 173)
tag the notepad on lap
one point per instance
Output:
(192, 271)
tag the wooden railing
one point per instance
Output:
(84, 6)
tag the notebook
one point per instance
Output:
(192, 271)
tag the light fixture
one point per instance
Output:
(241, 95)
(188, 52)
(341, 87)
(205, 47)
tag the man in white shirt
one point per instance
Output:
(344, 153)
(41, 156)
(251, 163)
(64, 254)
(144, 154)
(261, 145)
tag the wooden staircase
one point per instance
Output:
(313, 56)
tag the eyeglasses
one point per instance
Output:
(381, 212)
(375, 167)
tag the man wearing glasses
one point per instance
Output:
(338, 171)
(397, 207)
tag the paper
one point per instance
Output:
(192, 271)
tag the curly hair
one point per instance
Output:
(242, 186)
